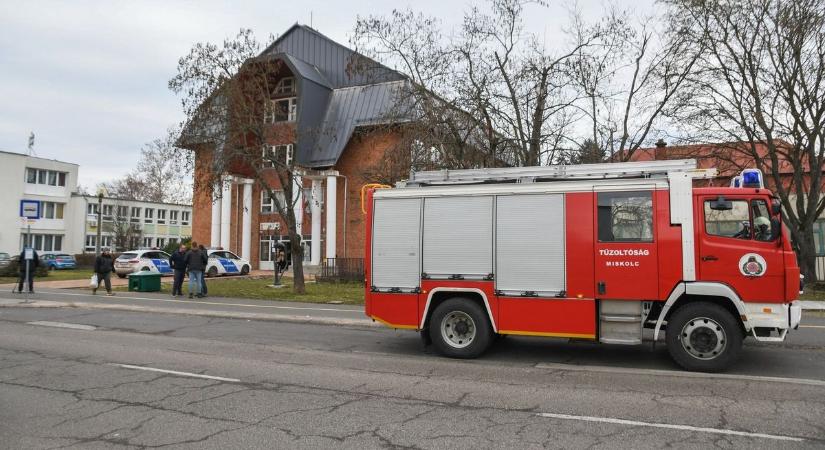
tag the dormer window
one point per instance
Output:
(285, 86)
(281, 110)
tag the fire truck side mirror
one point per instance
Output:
(720, 204)
(776, 206)
(776, 228)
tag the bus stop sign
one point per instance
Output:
(30, 209)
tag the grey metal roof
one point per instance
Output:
(349, 108)
(339, 65)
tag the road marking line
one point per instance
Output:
(669, 426)
(200, 302)
(72, 326)
(175, 372)
(676, 373)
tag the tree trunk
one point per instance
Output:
(298, 286)
(806, 253)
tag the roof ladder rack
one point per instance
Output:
(638, 169)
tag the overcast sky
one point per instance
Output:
(89, 78)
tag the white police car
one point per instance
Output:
(142, 260)
(222, 262)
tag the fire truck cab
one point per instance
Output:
(614, 253)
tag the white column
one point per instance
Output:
(315, 252)
(215, 234)
(297, 199)
(246, 236)
(332, 215)
(226, 212)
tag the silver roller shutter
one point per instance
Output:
(396, 243)
(458, 236)
(530, 236)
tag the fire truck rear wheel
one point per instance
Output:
(459, 328)
(704, 337)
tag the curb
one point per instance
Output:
(363, 323)
(812, 305)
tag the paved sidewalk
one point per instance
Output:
(319, 313)
(812, 305)
(83, 283)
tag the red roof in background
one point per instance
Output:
(728, 158)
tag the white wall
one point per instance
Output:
(13, 188)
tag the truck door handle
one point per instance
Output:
(710, 258)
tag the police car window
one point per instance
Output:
(625, 216)
(761, 221)
(216, 255)
(733, 223)
(231, 255)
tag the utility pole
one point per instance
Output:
(99, 221)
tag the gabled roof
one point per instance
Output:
(340, 90)
(340, 65)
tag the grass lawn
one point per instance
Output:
(258, 288)
(56, 275)
(812, 294)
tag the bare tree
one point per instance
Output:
(124, 232)
(157, 176)
(227, 93)
(630, 79)
(762, 82)
(489, 94)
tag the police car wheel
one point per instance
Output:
(245, 270)
(121, 275)
(144, 269)
(704, 337)
(459, 328)
(212, 272)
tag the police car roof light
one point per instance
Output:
(752, 178)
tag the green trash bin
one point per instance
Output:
(144, 282)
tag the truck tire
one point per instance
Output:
(704, 337)
(459, 328)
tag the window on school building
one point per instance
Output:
(44, 242)
(135, 217)
(91, 208)
(625, 216)
(281, 110)
(108, 212)
(277, 155)
(161, 216)
(122, 212)
(47, 177)
(184, 217)
(268, 203)
(51, 210)
(147, 242)
(173, 217)
(148, 215)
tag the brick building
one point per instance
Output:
(317, 89)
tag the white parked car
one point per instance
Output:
(222, 262)
(142, 260)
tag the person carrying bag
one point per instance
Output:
(104, 265)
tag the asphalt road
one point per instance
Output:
(122, 378)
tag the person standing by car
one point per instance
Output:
(196, 263)
(178, 263)
(204, 290)
(22, 263)
(104, 265)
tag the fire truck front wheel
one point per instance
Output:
(704, 337)
(459, 328)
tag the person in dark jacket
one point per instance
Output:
(104, 265)
(21, 263)
(204, 291)
(178, 262)
(196, 263)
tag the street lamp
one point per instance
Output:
(99, 220)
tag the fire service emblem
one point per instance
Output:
(752, 265)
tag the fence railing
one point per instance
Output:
(342, 269)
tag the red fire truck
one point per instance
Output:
(614, 253)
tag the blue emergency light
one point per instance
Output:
(752, 178)
(736, 182)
